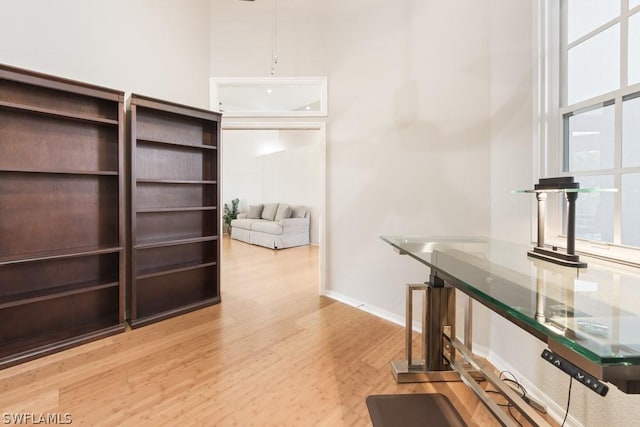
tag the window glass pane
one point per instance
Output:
(593, 67)
(269, 98)
(631, 209)
(634, 48)
(591, 140)
(594, 211)
(587, 15)
(633, 3)
(631, 132)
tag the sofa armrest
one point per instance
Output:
(242, 215)
(294, 225)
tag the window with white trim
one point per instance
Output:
(598, 116)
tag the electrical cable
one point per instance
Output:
(274, 38)
(508, 404)
(568, 402)
(513, 416)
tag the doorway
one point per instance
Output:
(278, 162)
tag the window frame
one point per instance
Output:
(553, 111)
(318, 84)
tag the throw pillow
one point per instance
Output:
(284, 211)
(254, 212)
(298, 212)
(269, 211)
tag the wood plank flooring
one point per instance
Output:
(273, 353)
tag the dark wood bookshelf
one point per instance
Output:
(62, 214)
(173, 211)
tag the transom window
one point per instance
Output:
(599, 112)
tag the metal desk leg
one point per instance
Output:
(438, 313)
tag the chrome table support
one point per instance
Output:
(501, 415)
(438, 313)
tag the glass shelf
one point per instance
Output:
(569, 190)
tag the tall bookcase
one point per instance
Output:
(174, 220)
(61, 214)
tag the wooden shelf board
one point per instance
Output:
(173, 242)
(58, 254)
(59, 172)
(169, 269)
(179, 144)
(20, 351)
(173, 181)
(190, 209)
(51, 293)
(151, 104)
(57, 113)
(146, 320)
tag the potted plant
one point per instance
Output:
(230, 213)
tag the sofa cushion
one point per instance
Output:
(298, 211)
(244, 223)
(284, 211)
(255, 211)
(270, 227)
(269, 211)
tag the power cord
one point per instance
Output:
(507, 405)
(566, 414)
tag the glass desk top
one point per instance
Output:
(594, 311)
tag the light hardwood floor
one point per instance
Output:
(273, 352)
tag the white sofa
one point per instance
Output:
(273, 225)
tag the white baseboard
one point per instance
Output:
(383, 314)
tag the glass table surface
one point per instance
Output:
(595, 311)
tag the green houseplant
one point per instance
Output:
(230, 213)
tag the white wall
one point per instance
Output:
(242, 36)
(266, 166)
(157, 48)
(408, 137)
